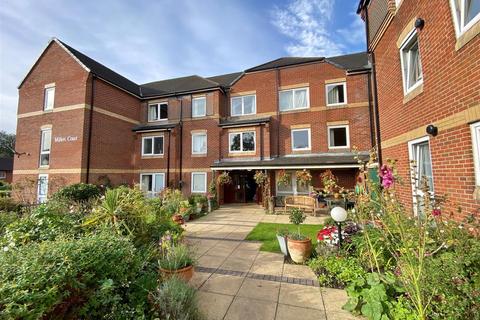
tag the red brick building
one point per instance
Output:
(426, 63)
(80, 121)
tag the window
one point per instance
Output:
(292, 186)
(419, 153)
(157, 112)
(243, 105)
(199, 143)
(476, 150)
(294, 99)
(42, 190)
(49, 98)
(411, 64)
(199, 182)
(336, 94)
(152, 183)
(465, 14)
(338, 137)
(152, 146)
(300, 139)
(199, 107)
(242, 141)
(45, 144)
(3, 174)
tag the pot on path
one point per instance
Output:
(185, 273)
(299, 250)
(282, 241)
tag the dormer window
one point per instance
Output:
(243, 105)
(157, 112)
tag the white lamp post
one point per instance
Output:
(339, 214)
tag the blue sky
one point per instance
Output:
(153, 40)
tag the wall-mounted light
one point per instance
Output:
(419, 23)
(432, 130)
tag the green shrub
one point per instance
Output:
(7, 218)
(175, 300)
(336, 271)
(67, 278)
(198, 198)
(8, 204)
(176, 257)
(78, 192)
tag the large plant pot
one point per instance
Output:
(185, 273)
(282, 241)
(178, 219)
(299, 250)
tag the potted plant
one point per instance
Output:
(304, 177)
(224, 178)
(299, 246)
(282, 235)
(175, 259)
(283, 177)
(329, 182)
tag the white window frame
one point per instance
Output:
(405, 77)
(241, 142)
(344, 84)
(476, 150)
(254, 111)
(192, 184)
(294, 184)
(154, 175)
(347, 128)
(3, 174)
(294, 107)
(41, 198)
(309, 139)
(204, 111)
(47, 107)
(459, 28)
(42, 139)
(153, 148)
(416, 192)
(158, 104)
(206, 141)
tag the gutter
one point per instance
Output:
(168, 158)
(90, 129)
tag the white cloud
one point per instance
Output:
(307, 22)
(355, 33)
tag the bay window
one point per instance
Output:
(157, 112)
(294, 99)
(243, 105)
(336, 94)
(152, 146)
(242, 141)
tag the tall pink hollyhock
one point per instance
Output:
(386, 174)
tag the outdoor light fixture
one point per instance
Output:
(419, 23)
(339, 214)
(432, 130)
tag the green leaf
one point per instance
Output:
(373, 279)
(373, 311)
(351, 304)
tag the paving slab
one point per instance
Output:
(224, 284)
(259, 289)
(213, 306)
(298, 271)
(210, 261)
(300, 296)
(251, 309)
(334, 299)
(286, 312)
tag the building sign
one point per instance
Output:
(66, 139)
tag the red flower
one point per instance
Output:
(436, 212)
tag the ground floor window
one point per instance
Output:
(419, 153)
(152, 183)
(42, 190)
(476, 150)
(199, 182)
(290, 185)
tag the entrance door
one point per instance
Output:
(242, 189)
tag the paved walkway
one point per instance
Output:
(237, 281)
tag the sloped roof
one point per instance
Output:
(226, 80)
(284, 62)
(351, 62)
(183, 84)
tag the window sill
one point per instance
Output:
(412, 94)
(338, 148)
(152, 156)
(44, 167)
(295, 110)
(198, 192)
(159, 120)
(241, 154)
(468, 35)
(301, 151)
(337, 105)
(199, 155)
(47, 111)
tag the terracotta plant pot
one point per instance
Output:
(185, 273)
(299, 250)
(178, 219)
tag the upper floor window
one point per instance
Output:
(301, 139)
(338, 137)
(465, 14)
(243, 105)
(49, 97)
(242, 141)
(199, 143)
(294, 99)
(336, 93)
(157, 111)
(199, 107)
(152, 146)
(45, 144)
(411, 64)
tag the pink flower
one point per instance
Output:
(386, 174)
(436, 212)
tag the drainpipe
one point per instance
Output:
(277, 80)
(181, 142)
(90, 129)
(168, 158)
(374, 93)
(261, 141)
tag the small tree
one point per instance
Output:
(7, 144)
(297, 217)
